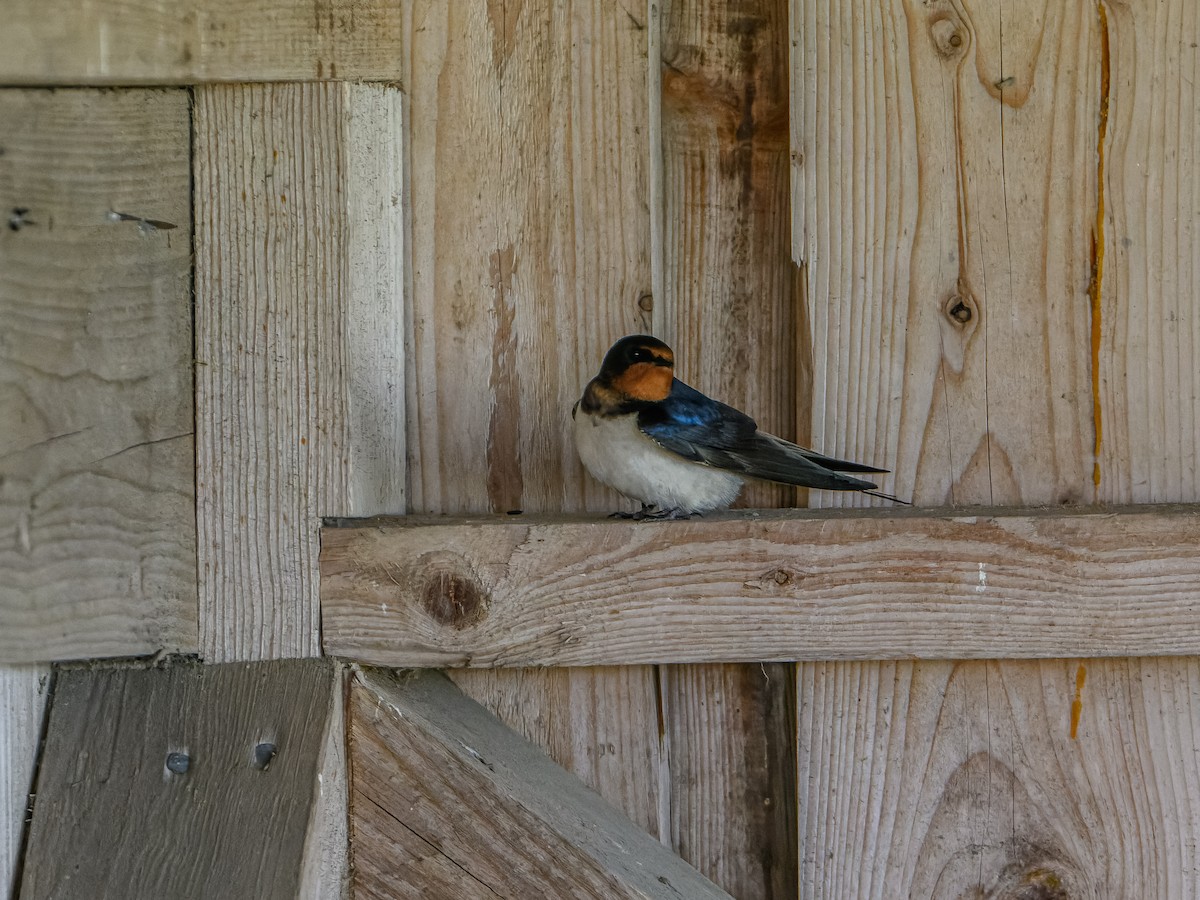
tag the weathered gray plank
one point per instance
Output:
(193, 41)
(97, 519)
(23, 691)
(300, 273)
(114, 816)
(446, 802)
(765, 586)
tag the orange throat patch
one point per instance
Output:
(645, 381)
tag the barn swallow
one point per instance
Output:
(641, 430)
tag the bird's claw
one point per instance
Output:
(651, 513)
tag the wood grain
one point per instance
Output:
(730, 738)
(23, 694)
(161, 42)
(957, 780)
(325, 867)
(764, 586)
(961, 189)
(586, 720)
(446, 803)
(300, 279)
(529, 149)
(221, 824)
(727, 306)
(530, 243)
(941, 157)
(1149, 348)
(97, 526)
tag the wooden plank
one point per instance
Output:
(531, 255)
(1057, 778)
(523, 276)
(946, 224)
(1148, 286)
(23, 694)
(221, 763)
(727, 307)
(325, 868)
(764, 586)
(581, 718)
(161, 42)
(1024, 194)
(731, 740)
(299, 282)
(97, 525)
(446, 802)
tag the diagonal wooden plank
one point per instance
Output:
(112, 42)
(764, 586)
(447, 802)
(97, 513)
(189, 781)
(300, 279)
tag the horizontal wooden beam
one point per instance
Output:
(61, 42)
(789, 585)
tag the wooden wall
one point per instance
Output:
(996, 211)
(362, 261)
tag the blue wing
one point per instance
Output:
(706, 431)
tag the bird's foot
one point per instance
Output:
(662, 514)
(650, 512)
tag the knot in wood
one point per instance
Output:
(947, 36)
(959, 309)
(450, 592)
(646, 302)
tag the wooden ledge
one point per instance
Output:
(763, 586)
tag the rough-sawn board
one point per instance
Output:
(764, 586)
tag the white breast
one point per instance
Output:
(617, 453)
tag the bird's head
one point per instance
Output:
(639, 367)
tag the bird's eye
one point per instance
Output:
(640, 354)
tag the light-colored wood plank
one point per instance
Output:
(300, 278)
(531, 254)
(954, 152)
(530, 243)
(48, 42)
(221, 763)
(727, 307)
(764, 586)
(447, 802)
(97, 521)
(1149, 349)
(945, 209)
(23, 693)
(1062, 778)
